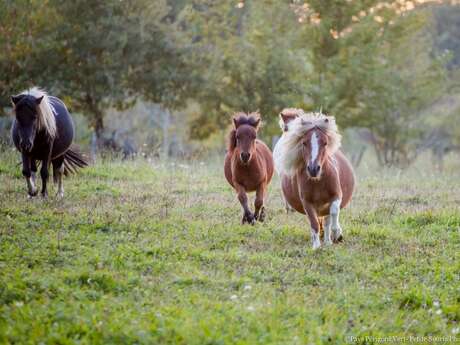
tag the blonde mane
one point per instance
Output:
(46, 111)
(289, 159)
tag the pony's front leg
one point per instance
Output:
(33, 166)
(327, 231)
(248, 217)
(259, 213)
(313, 217)
(334, 212)
(29, 175)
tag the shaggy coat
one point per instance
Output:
(248, 165)
(43, 130)
(317, 179)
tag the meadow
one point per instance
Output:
(145, 252)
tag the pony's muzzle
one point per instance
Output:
(26, 145)
(313, 170)
(245, 156)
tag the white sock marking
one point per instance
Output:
(327, 230)
(334, 212)
(315, 240)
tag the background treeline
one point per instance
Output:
(164, 75)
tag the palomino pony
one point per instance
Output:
(43, 131)
(317, 179)
(248, 164)
(286, 116)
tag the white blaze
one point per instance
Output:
(314, 147)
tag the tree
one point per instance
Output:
(241, 58)
(93, 54)
(100, 47)
(25, 31)
(374, 69)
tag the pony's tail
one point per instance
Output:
(74, 160)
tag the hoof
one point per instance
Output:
(337, 235)
(338, 239)
(60, 195)
(32, 193)
(316, 245)
(328, 243)
(44, 195)
(261, 216)
(248, 218)
(315, 239)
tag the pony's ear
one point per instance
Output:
(235, 122)
(256, 123)
(287, 117)
(15, 99)
(326, 120)
(38, 100)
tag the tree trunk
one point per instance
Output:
(166, 115)
(97, 136)
(98, 125)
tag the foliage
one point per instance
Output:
(94, 55)
(243, 60)
(447, 33)
(378, 65)
(360, 61)
(25, 31)
(374, 69)
(104, 45)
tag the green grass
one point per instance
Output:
(145, 253)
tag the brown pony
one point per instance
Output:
(317, 179)
(248, 164)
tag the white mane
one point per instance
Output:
(46, 111)
(289, 111)
(289, 156)
(279, 143)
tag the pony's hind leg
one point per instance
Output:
(334, 212)
(58, 171)
(44, 174)
(259, 213)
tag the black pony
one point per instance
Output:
(43, 131)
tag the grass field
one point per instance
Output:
(154, 253)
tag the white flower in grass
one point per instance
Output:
(438, 312)
(455, 330)
(233, 297)
(247, 287)
(250, 308)
(436, 304)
